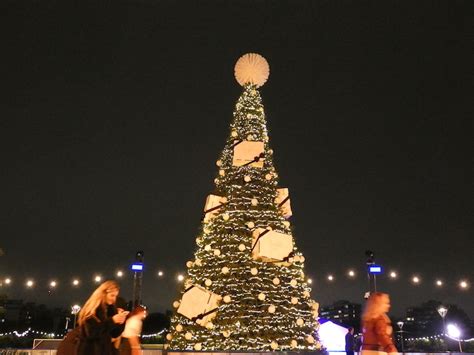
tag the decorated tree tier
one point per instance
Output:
(246, 289)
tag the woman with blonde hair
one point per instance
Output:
(99, 322)
(376, 326)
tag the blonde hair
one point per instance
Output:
(95, 300)
(374, 307)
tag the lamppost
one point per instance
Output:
(400, 325)
(455, 332)
(442, 310)
(75, 310)
(137, 268)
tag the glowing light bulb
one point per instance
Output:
(393, 275)
(415, 280)
(8, 281)
(29, 283)
(53, 284)
(439, 283)
(463, 284)
(180, 277)
(309, 281)
(351, 273)
(160, 273)
(119, 273)
(75, 282)
(330, 278)
(98, 278)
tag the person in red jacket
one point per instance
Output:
(376, 326)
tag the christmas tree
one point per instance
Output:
(246, 289)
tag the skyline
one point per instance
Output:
(116, 113)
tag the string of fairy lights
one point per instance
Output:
(30, 332)
(413, 279)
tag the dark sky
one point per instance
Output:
(113, 114)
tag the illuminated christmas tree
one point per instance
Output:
(246, 289)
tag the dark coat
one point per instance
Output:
(94, 337)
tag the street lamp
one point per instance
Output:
(442, 310)
(400, 325)
(75, 310)
(455, 332)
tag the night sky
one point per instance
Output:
(113, 114)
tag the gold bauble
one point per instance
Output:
(310, 339)
(217, 252)
(268, 176)
(176, 304)
(227, 299)
(169, 337)
(198, 347)
(293, 343)
(225, 270)
(188, 336)
(276, 281)
(250, 225)
(299, 322)
(247, 178)
(226, 333)
(234, 134)
(219, 163)
(179, 328)
(274, 345)
(261, 296)
(225, 217)
(254, 271)
(271, 309)
(294, 300)
(208, 282)
(189, 263)
(208, 247)
(221, 172)
(302, 259)
(254, 202)
(293, 283)
(241, 247)
(216, 181)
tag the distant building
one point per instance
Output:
(342, 312)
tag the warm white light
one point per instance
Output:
(75, 309)
(29, 283)
(453, 331)
(75, 282)
(309, 281)
(119, 273)
(416, 280)
(53, 284)
(98, 278)
(160, 273)
(351, 273)
(439, 283)
(463, 284)
(330, 277)
(8, 281)
(393, 275)
(180, 277)
(442, 311)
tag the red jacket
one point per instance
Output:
(377, 335)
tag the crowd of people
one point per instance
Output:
(106, 327)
